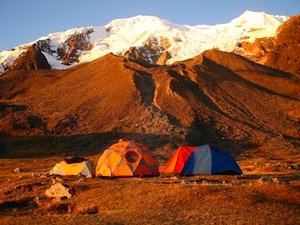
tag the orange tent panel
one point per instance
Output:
(113, 159)
(149, 159)
(124, 170)
(120, 146)
(143, 170)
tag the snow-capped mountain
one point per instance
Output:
(147, 39)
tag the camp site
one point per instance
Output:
(125, 184)
(150, 112)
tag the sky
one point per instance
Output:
(24, 21)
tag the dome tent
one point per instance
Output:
(73, 166)
(126, 158)
(203, 159)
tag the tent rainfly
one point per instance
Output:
(126, 158)
(73, 166)
(178, 160)
(203, 159)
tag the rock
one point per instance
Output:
(58, 190)
(264, 179)
(285, 54)
(32, 59)
(80, 180)
(185, 182)
(43, 176)
(87, 210)
(204, 182)
(69, 51)
(58, 180)
(18, 170)
(39, 199)
(278, 180)
(36, 175)
(62, 198)
(154, 49)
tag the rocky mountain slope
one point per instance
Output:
(285, 55)
(216, 97)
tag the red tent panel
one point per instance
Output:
(178, 160)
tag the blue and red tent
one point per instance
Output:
(203, 159)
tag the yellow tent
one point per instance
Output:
(64, 168)
(126, 158)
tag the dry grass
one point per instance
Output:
(161, 200)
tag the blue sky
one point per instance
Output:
(23, 21)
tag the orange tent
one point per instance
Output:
(178, 160)
(126, 158)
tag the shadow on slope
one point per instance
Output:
(14, 147)
(231, 66)
(162, 146)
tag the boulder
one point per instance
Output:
(58, 190)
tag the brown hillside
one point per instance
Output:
(285, 55)
(217, 97)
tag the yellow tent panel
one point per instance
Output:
(63, 168)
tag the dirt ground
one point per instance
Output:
(267, 193)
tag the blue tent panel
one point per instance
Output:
(206, 159)
(223, 163)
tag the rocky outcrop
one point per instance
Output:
(45, 46)
(69, 52)
(153, 52)
(281, 52)
(32, 59)
(285, 54)
(256, 51)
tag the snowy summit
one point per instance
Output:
(179, 42)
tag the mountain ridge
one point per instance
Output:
(175, 42)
